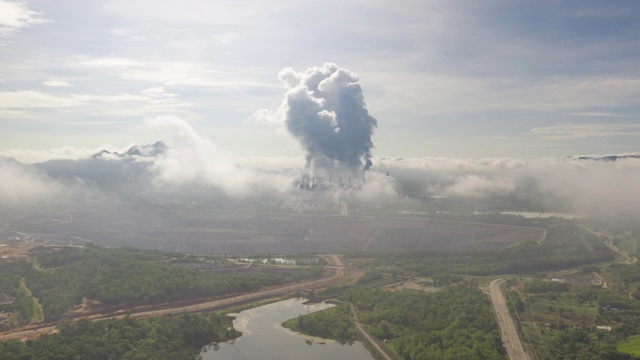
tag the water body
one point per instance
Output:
(265, 338)
(542, 215)
(281, 260)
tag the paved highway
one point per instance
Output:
(509, 333)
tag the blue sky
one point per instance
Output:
(465, 79)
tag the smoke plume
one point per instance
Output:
(324, 109)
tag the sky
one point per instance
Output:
(457, 79)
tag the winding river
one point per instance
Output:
(265, 338)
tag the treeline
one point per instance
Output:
(577, 343)
(117, 276)
(334, 323)
(540, 286)
(455, 323)
(178, 338)
(369, 277)
(53, 257)
(565, 247)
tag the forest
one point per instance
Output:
(455, 323)
(128, 276)
(178, 338)
(335, 323)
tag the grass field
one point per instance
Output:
(630, 346)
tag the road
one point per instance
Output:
(609, 243)
(344, 208)
(629, 259)
(510, 337)
(334, 260)
(368, 337)
(543, 237)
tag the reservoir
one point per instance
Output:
(263, 337)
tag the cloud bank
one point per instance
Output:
(592, 188)
(21, 185)
(194, 159)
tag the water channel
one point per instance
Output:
(265, 338)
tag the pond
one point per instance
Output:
(265, 338)
(279, 260)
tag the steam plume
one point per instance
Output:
(324, 109)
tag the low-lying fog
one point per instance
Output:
(153, 187)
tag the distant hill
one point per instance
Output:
(606, 157)
(151, 150)
(108, 170)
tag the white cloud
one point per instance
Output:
(476, 185)
(584, 131)
(16, 15)
(35, 99)
(594, 114)
(195, 159)
(57, 83)
(269, 117)
(158, 92)
(131, 35)
(228, 38)
(21, 186)
(31, 156)
(171, 73)
(434, 94)
(194, 11)
(593, 188)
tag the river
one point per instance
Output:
(265, 338)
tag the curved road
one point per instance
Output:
(630, 260)
(509, 333)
